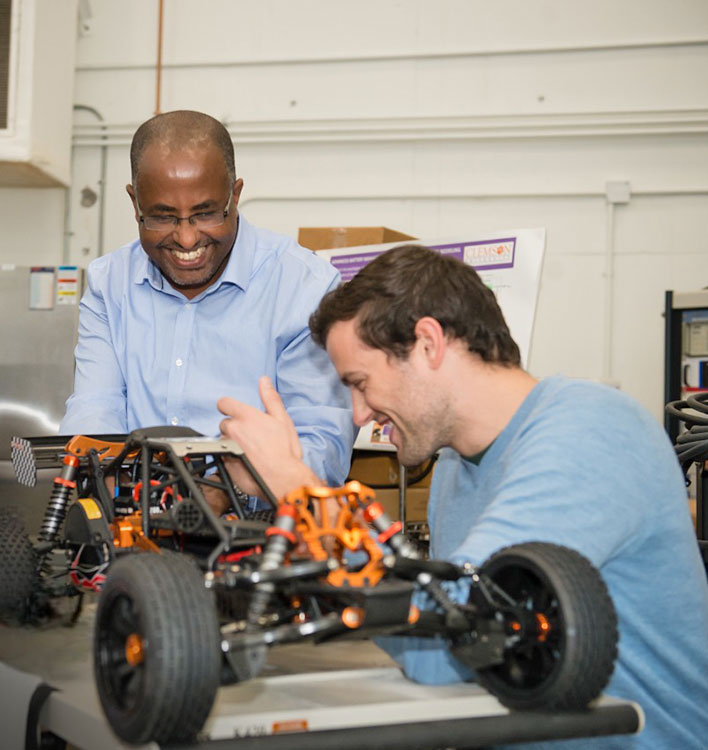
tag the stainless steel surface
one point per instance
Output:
(37, 363)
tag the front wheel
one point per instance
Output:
(567, 652)
(157, 654)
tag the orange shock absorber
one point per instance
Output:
(280, 538)
(390, 532)
(59, 500)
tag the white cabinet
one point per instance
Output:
(37, 54)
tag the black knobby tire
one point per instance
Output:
(164, 694)
(18, 568)
(570, 666)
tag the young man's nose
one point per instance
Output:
(361, 411)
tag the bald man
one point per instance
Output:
(203, 304)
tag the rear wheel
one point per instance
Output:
(566, 653)
(157, 654)
(18, 568)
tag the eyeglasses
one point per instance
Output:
(201, 220)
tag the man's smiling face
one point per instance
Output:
(388, 389)
(186, 182)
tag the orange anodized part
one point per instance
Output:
(333, 527)
(134, 650)
(65, 482)
(544, 627)
(353, 617)
(413, 615)
(300, 617)
(81, 445)
(122, 533)
(128, 532)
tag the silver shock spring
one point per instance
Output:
(281, 537)
(64, 484)
(390, 532)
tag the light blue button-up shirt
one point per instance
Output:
(146, 355)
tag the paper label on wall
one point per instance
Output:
(41, 291)
(67, 285)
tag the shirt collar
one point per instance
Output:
(240, 264)
(237, 271)
(143, 268)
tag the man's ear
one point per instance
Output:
(431, 340)
(131, 192)
(238, 187)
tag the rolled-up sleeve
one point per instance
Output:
(316, 400)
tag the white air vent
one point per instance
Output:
(37, 53)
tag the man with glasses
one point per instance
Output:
(203, 304)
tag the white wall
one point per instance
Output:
(432, 118)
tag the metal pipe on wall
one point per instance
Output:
(440, 128)
(414, 56)
(158, 82)
(609, 274)
(289, 198)
(617, 193)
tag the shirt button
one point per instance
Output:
(174, 420)
(179, 363)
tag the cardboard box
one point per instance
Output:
(383, 469)
(416, 503)
(324, 238)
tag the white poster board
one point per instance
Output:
(508, 261)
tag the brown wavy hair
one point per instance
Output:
(395, 290)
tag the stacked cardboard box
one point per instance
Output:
(324, 238)
(376, 469)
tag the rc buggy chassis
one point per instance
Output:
(536, 622)
(116, 495)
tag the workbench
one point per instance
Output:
(345, 695)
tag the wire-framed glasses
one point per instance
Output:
(200, 220)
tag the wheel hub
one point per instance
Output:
(134, 650)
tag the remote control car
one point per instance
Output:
(537, 625)
(115, 496)
(189, 601)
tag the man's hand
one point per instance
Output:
(268, 439)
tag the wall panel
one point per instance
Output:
(434, 119)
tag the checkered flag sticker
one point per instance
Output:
(23, 461)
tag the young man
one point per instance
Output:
(422, 344)
(203, 303)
